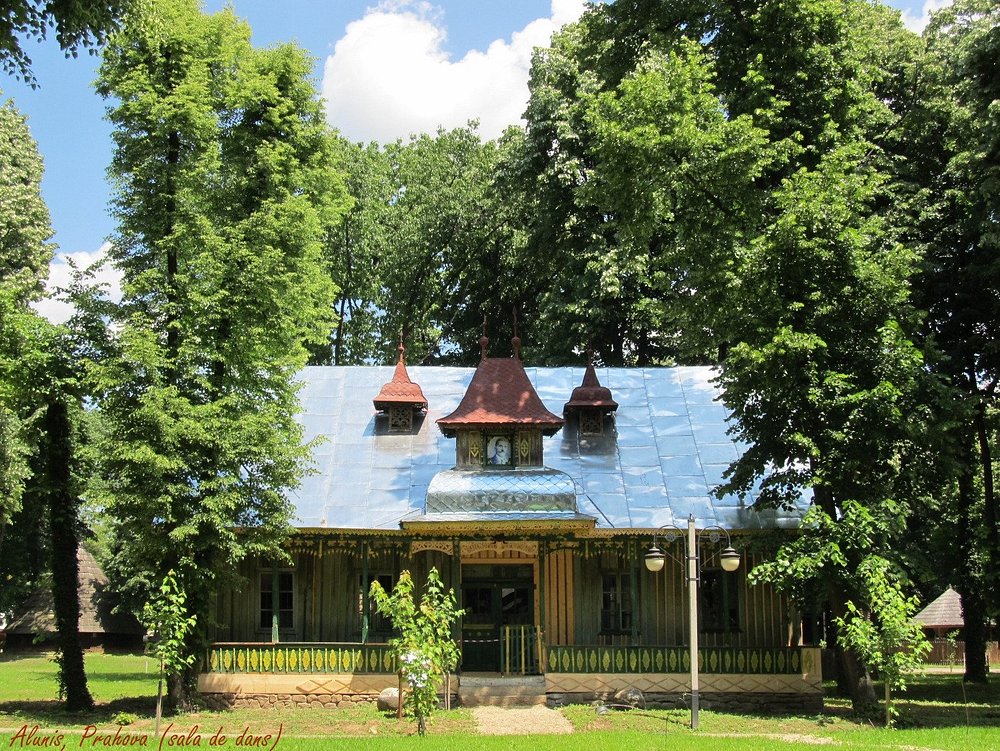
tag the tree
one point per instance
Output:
(358, 252)
(714, 177)
(39, 406)
(78, 24)
(224, 190)
(25, 252)
(63, 501)
(425, 647)
(877, 615)
(166, 618)
(442, 267)
(951, 189)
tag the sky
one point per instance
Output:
(386, 70)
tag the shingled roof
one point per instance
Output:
(500, 394)
(37, 615)
(400, 390)
(590, 393)
(943, 612)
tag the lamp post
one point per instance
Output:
(656, 557)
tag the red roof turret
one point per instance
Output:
(590, 393)
(400, 390)
(500, 394)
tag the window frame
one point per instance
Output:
(265, 578)
(621, 615)
(719, 601)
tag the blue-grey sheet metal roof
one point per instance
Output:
(670, 450)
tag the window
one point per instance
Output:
(498, 451)
(400, 418)
(720, 611)
(591, 422)
(285, 600)
(616, 603)
(377, 622)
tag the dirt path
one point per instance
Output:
(537, 720)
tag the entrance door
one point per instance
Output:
(493, 596)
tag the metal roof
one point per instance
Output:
(669, 451)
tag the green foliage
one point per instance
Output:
(166, 617)
(882, 631)
(78, 25)
(425, 647)
(25, 252)
(847, 557)
(224, 193)
(949, 189)
(951, 641)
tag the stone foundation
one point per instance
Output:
(224, 701)
(737, 702)
(274, 701)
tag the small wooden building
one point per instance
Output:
(536, 492)
(34, 624)
(943, 617)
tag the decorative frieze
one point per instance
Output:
(438, 546)
(524, 547)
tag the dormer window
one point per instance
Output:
(400, 418)
(591, 421)
(590, 402)
(500, 420)
(400, 400)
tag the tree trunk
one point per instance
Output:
(970, 578)
(853, 678)
(989, 507)
(63, 526)
(974, 615)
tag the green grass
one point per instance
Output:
(938, 713)
(110, 677)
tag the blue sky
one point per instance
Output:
(386, 70)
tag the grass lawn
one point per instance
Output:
(937, 714)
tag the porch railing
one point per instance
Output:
(638, 659)
(293, 657)
(520, 650)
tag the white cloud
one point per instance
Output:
(61, 273)
(389, 75)
(918, 23)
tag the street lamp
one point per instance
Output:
(728, 558)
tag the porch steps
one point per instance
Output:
(501, 691)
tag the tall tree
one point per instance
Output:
(424, 251)
(224, 190)
(38, 456)
(25, 252)
(440, 231)
(950, 184)
(713, 174)
(358, 252)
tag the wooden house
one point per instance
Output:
(101, 627)
(536, 493)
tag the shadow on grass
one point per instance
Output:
(51, 711)
(931, 701)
